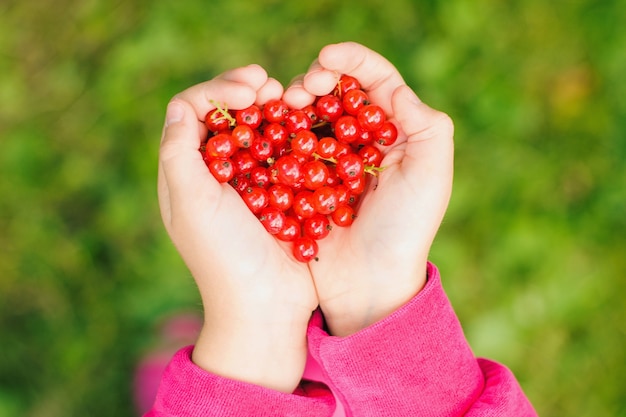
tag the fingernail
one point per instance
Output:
(175, 113)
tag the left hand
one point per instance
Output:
(368, 270)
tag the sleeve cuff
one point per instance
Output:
(415, 362)
(189, 391)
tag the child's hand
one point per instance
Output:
(370, 269)
(257, 298)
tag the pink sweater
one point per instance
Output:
(416, 362)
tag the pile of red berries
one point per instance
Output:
(300, 170)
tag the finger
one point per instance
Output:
(375, 73)
(296, 96)
(319, 80)
(182, 171)
(236, 89)
(272, 89)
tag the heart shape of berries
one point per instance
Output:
(300, 171)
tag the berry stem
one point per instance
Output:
(223, 110)
(370, 169)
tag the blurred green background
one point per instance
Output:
(532, 250)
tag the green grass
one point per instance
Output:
(531, 250)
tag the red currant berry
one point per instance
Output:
(303, 204)
(354, 100)
(240, 183)
(316, 227)
(256, 198)
(272, 219)
(296, 121)
(276, 133)
(251, 116)
(288, 170)
(325, 200)
(343, 216)
(327, 147)
(344, 196)
(387, 134)
(243, 135)
(304, 142)
(329, 108)
(275, 111)
(216, 121)
(280, 196)
(356, 186)
(315, 174)
(350, 166)
(220, 146)
(312, 113)
(346, 83)
(371, 117)
(222, 169)
(347, 129)
(305, 249)
(290, 231)
(244, 161)
(371, 155)
(261, 148)
(342, 149)
(260, 176)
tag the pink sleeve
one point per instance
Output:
(416, 362)
(189, 391)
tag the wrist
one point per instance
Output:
(271, 355)
(372, 301)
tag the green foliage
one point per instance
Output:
(531, 249)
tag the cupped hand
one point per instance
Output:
(370, 269)
(257, 297)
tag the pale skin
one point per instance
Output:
(257, 298)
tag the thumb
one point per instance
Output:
(429, 133)
(429, 154)
(181, 167)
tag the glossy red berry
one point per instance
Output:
(305, 249)
(303, 204)
(280, 196)
(261, 148)
(304, 143)
(275, 111)
(344, 216)
(371, 155)
(371, 117)
(272, 219)
(315, 174)
(325, 200)
(216, 121)
(222, 169)
(329, 108)
(387, 134)
(350, 166)
(256, 198)
(296, 121)
(354, 100)
(347, 129)
(243, 135)
(317, 227)
(244, 161)
(288, 170)
(290, 231)
(220, 146)
(346, 83)
(251, 116)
